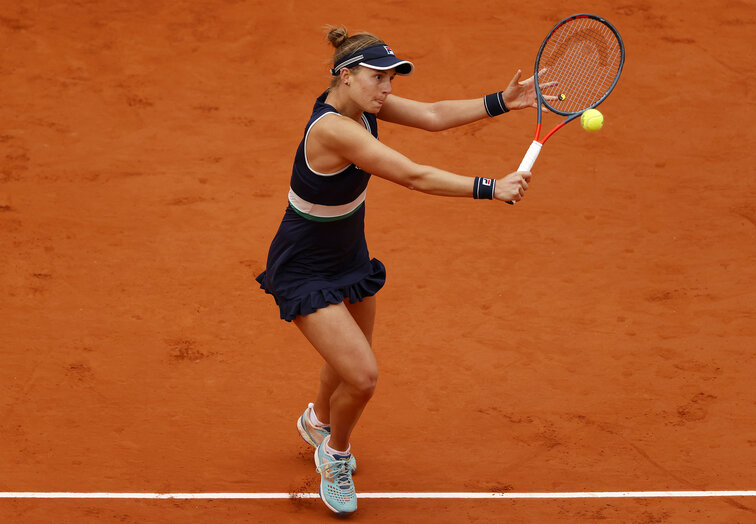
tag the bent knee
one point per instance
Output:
(363, 384)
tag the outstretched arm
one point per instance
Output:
(437, 116)
(340, 137)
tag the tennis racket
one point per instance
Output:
(577, 66)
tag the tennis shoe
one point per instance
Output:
(336, 487)
(314, 435)
(311, 434)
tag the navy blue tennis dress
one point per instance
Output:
(319, 255)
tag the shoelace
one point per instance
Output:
(342, 474)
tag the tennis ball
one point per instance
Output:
(592, 120)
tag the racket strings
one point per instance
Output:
(580, 54)
(594, 86)
(584, 56)
(582, 75)
(580, 66)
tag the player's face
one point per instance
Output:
(373, 87)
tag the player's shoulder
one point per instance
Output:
(335, 126)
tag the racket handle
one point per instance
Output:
(529, 159)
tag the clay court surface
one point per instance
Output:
(597, 337)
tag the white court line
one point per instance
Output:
(398, 495)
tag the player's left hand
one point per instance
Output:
(519, 95)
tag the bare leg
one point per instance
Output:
(329, 381)
(364, 314)
(340, 340)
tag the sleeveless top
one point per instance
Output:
(327, 196)
(319, 255)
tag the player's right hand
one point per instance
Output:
(512, 187)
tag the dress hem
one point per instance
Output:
(293, 307)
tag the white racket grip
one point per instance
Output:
(530, 157)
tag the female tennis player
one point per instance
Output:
(318, 267)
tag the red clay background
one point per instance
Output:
(597, 337)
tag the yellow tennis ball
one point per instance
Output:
(592, 120)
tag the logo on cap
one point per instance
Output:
(388, 50)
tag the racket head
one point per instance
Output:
(584, 54)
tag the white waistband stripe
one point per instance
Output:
(323, 213)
